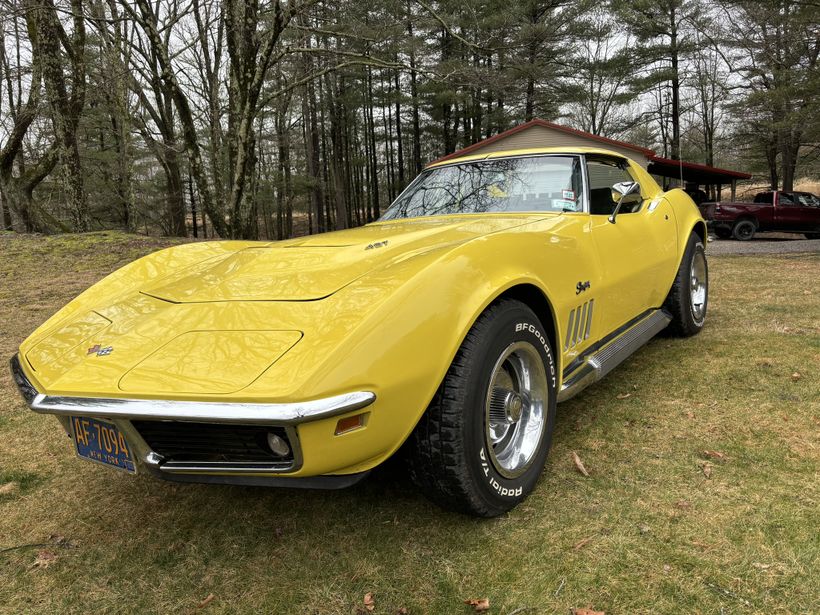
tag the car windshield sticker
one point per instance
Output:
(564, 205)
(568, 195)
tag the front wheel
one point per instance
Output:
(483, 441)
(689, 296)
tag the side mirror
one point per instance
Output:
(624, 189)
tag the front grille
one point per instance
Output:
(207, 442)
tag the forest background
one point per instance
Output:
(258, 119)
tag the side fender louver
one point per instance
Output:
(580, 325)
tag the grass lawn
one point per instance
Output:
(703, 494)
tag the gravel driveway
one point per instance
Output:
(764, 243)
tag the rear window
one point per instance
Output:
(764, 197)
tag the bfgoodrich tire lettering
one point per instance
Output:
(458, 454)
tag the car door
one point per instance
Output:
(636, 253)
(786, 212)
(794, 212)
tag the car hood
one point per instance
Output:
(315, 267)
(210, 320)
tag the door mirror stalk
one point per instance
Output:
(624, 189)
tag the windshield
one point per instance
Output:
(542, 183)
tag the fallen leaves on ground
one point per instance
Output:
(714, 454)
(9, 488)
(586, 611)
(579, 464)
(706, 468)
(369, 602)
(44, 559)
(479, 604)
(683, 504)
(206, 601)
(582, 543)
(702, 545)
(624, 395)
(402, 611)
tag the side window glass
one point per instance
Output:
(602, 176)
(785, 199)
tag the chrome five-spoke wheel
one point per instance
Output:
(515, 414)
(698, 286)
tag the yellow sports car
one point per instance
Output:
(494, 287)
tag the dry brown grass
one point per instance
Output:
(647, 532)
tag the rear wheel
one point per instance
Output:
(744, 230)
(482, 443)
(689, 297)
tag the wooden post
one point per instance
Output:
(734, 188)
(719, 190)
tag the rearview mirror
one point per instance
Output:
(624, 189)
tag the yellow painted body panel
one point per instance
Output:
(380, 308)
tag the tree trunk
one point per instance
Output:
(193, 206)
(373, 212)
(771, 160)
(399, 142)
(65, 108)
(312, 156)
(6, 214)
(174, 194)
(789, 148)
(414, 95)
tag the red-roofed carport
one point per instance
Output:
(694, 173)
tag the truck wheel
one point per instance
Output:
(483, 441)
(689, 296)
(743, 230)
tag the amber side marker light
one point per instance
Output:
(350, 423)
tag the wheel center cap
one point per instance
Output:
(513, 406)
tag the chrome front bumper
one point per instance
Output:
(122, 411)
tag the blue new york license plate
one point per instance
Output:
(102, 442)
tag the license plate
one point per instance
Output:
(102, 442)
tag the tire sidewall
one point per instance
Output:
(740, 236)
(513, 324)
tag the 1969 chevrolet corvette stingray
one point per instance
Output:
(494, 287)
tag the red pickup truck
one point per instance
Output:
(787, 212)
